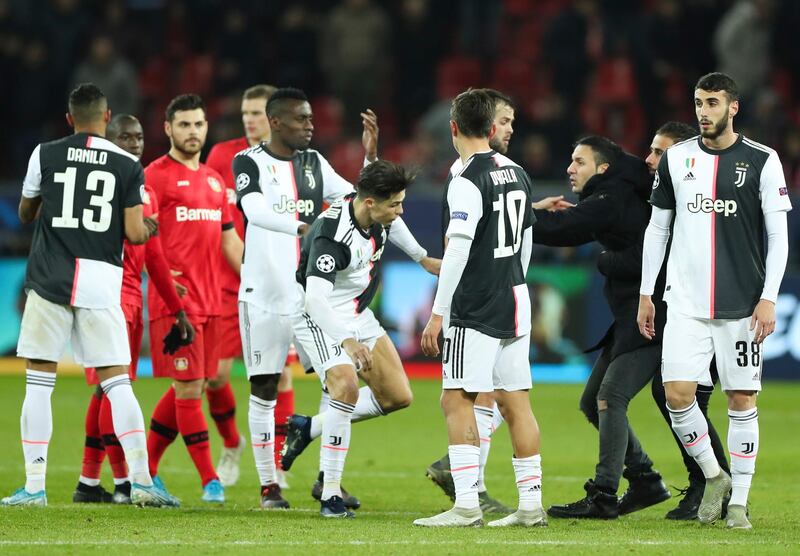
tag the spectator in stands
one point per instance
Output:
(354, 56)
(112, 73)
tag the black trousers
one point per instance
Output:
(703, 396)
(616, 383)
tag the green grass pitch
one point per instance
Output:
(386, 469)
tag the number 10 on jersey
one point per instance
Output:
(511, 203)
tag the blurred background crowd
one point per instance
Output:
(619, 68)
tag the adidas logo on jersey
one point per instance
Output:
(689, 177)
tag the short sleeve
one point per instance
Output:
(151, 200)
(227, 217)
(663, 194)
(466, 207)
(135, 192)
(326, 257)
(32, 185)
(246, 177)
(772, 186)
(334, 186)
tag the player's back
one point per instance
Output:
(85, 182)
(492, 295)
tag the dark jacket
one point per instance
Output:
(612, 209)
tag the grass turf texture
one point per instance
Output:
(386, 468)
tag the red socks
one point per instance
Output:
(93, 451)
(192, 426)
(116, 456)
(222, 406)
(284, 409)
(163, 429)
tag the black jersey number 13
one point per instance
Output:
(94, 221)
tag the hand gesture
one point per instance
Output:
(646, 319)
(553, 204)
(430, 336)
(369, 137)
(359, 353)
(763, 320)
(431, 265)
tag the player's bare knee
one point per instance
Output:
(188, 389)
(741, 400)
(342, 383)
(264, 387)
(397, 400)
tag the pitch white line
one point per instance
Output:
(543, 542)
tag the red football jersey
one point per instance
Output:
(193, 212)
(133, 257)
(220, 159)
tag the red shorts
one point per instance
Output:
(133, 321)
(229, 338)
(195, 361)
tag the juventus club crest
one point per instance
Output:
(741, 173)
(309, 177)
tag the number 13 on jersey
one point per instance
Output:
(512, 203)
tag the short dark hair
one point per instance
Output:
(87, 103)
(500, 98)
(677, 131)
(116, 122)
(277, 102)
(473, 113)
(259, 91)
(718, 81)
(605, 150)
(189, 101)
(382, 179)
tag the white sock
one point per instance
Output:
(316, 420)
(128, 426)
(261, 418)
(367, 406)
(464, 464)
(528, 473)
(120, 481)
(36, 426)
(497, 418)
(335, 444)
(692, 428)
(483, 417)
(743, 447)
(88, 481)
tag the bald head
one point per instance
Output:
(126, 132)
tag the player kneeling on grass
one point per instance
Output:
(341, 337)
(482, 290)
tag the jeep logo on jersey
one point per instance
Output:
(242, 181)
(726, 207)
(325, 263)
(309, 176)
(301, 206)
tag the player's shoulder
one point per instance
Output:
(332, 219)
(760, 147)
(254, 151)
(104, 144)
(229, 147)
(161, 164)
(456, 167)
(502, 161)
(690, 145)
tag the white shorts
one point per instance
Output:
(266, 338)
(99, 336)
(690, 343)
(322, 351)
(475, 362)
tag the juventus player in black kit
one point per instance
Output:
(483, 294)
(725, 193)
(85, 194)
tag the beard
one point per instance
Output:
(187, 149)
(496, 144)
(717, 129)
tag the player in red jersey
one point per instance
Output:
(195, 225)
(126, 132)
(221, 401)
